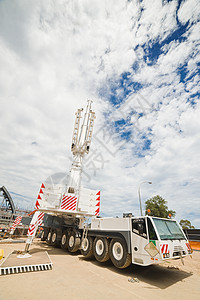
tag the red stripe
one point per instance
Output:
(98, 193)
(64, 197)
(97, 211)
(31, 230)
(98, 199)
(68, 204)
(40, 215)
(72, 207)
(163, 247)
(67, 201)
(71, 201)
(37, 204)
(68, 197)
(16, 222)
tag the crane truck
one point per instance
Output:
(64, 211)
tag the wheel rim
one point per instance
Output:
(117, 251)
(54, 237)
(99, 247)
(49, 236)
(71, 241)
(64, 238)
(85, 244)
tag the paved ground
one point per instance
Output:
(74, 277)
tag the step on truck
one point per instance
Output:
(69, 215)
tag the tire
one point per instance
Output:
(119, 254)
(43, 236)
(54, 238)
(73, 242)
(49, 237)
(101, 249)
(63, 242)
(87, 247)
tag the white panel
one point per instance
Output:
(87, 200)
(110, 223)
(52, 194)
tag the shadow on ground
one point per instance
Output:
(158, 276)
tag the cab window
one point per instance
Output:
(151, 230)
(139, 227)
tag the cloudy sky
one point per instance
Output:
(139, 62)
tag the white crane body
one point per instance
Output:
(65, 208)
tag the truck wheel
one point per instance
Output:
(63, 242)
(42, 236)
(73, 242)
(101, 249)
(119, 254)
(87, 247)
(54, 241)
(49, 238)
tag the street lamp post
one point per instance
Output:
(149, 182)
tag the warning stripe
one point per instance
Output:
(37, 204)
(70, 206)
(97, 204)
(16, 222)
(68, 200)
(164, 248)
(68, 203)
(38, 222)
(188, 246)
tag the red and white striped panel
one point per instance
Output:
(188, 246)
(37, 204)
(68, 202)
(38, 222)
(97, 204)
(164, 248)
(16, 222)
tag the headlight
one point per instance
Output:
(166, 255)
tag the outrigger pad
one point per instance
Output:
(15, 263)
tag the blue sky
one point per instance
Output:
(139, 62)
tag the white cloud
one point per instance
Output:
(189, 11)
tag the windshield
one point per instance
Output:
(168, 230)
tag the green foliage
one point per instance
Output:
(158, 207)
(186, 224)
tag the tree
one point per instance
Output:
(186, 224)
(157, 207)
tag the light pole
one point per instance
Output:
(149, 182)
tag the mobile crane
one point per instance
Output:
(65, 208)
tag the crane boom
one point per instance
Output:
(81, 141)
